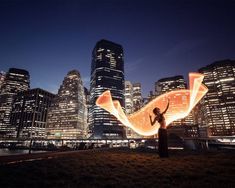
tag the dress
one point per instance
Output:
(162, 143)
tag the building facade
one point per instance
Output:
(2, 78)
(137, 97)
(29, 113)
(129, 105)
(217, 109)
(174, 83)
(107, 73)
(128, 97)
(168, 84)
(184, 131)
(87, 97)
(67, 116)
(16, 80)
(151, 96)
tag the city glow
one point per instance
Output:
(181, 102)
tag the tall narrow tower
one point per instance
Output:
(133, 102)
(137, 96)
(16, 80)
(2, 78)
(107, 73)
(67, 116)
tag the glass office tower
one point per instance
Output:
(16, 80)
(2, 79)
(29, 113)
(107, 73)
(217, 109)
(133, 102)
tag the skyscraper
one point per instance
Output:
(128, 97)
(137, 96)
(29, 113)
(16, 80)
(130, 106)
(173, 83)
(2, 78)
(87, 97)
(107, 73)
(67, 116)
(151, 96)
(217, 109)
(168, 84)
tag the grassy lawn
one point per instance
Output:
(124, 168)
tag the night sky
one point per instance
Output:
(160, 38)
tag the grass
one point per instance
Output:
(124, 168)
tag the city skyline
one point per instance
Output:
(107, 60)
(117, 93)
(49, 39)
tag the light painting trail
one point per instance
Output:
(181, 102)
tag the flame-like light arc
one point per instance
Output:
(181, 102)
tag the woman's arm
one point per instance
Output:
(154, 121)
(166, 108)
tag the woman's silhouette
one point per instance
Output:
(162, 132)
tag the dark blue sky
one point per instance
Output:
(160, 38)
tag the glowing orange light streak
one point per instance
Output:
(181, 103)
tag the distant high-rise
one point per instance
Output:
(151, 96)
(29, 113)
(107, 73)
(169, 84)
(217, 109)
(67, 116)
(129, 107)
(2, 78)
(16, 80)
(137, 96)
(87, 97)
(128, 97)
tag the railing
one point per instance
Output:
(51, 144)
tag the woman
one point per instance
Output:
(162, 132)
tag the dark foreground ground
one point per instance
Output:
(120, 168)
